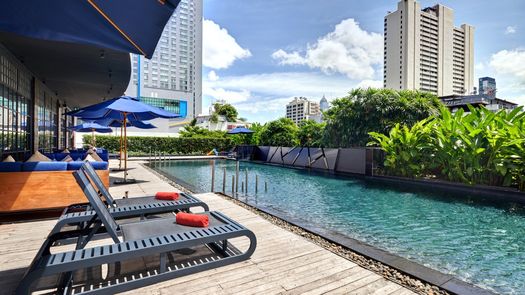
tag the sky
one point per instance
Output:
(259, 54)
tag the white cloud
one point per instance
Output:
(510, 30)
(508, 67)
(220, 49)
(230, 96)
(212, 76)
(509, 62)
(348, 50)
(370, 83)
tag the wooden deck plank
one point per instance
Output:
(283, 262)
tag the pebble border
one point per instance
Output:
(385, 271)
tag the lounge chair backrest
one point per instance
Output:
(92, 174)
(97, 204)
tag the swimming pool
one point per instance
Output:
(476, 240)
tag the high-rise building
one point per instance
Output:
(424, 50)
(487, 86)
(300, 108)
(323, 104)
(172, 78)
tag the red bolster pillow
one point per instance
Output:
(189, 219)
(167, 196)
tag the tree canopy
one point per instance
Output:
(281, 132)
(351, 118)
(311, 133)
(226, 110)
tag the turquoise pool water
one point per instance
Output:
(476, 240)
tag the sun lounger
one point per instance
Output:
(123, 208)
(142, 253)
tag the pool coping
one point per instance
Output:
(444, 281)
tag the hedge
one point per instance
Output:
(168, 145)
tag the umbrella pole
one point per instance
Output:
(125, 150)
(120, 149)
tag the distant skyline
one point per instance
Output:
(259, 54)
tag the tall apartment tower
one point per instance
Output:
(424, 50)
(172, 78)
(300, 108)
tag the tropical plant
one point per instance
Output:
(281, 132)
(311, 133)
(478, 147)
(351, 118)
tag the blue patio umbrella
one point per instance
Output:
(106, 24)
(240, 130)
(91, 127)
(130, 123)
(125, 109)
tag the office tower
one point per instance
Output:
(424, 50)
(172, 78)
(487, 86)
(323, 104)
(300, 108)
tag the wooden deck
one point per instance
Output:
(284, 263)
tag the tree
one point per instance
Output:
(311, 133)
(351, 118)
(191, 130)
(226, 110)
(281, 132)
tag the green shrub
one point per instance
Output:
(169, 145)
(479, 147)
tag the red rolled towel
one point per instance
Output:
(167, 196)
(189, 219)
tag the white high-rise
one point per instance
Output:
(172, 78)
(300, 109)
(424, 50)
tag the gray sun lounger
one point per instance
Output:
(123, 208)
(147, 252)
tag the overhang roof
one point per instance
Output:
(79, 74)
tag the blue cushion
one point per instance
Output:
(11, 166)
(51, 156)
(75, 165)
(60, 156)
(44, 166)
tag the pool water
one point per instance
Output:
(476, 240)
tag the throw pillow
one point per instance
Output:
(67, 159)
(9, 159)
(38, 157)
(66, 151)
(92, 158)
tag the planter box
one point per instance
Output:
(40, 190)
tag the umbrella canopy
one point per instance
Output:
(120, 107)
(91, 127)
(129, 123)
(133, 26)
(240, 130)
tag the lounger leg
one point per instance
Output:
(224, 245)
(162, 262)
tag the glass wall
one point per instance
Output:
(170, 105)
(47, 120)
(15, 119)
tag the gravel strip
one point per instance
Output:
(386, 271)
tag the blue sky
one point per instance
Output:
(258, 54)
